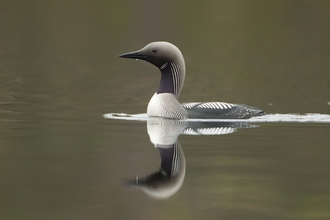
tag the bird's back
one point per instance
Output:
(221, 110)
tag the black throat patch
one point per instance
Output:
(166, 84)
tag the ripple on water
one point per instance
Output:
(302, 118)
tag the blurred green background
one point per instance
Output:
(270, 54)
(60, 72)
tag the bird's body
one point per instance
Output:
(164, 103)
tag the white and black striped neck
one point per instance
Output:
(170, 160)
(171, 80)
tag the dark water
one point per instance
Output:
(60, 73)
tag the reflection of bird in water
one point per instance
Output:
(169, 178)
(169, 59)
(164, 135)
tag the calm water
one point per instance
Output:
(60, 73)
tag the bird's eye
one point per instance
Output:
(154, 51)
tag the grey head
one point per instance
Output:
(168, 59)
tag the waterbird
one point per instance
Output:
(164, 103)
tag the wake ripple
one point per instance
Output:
(294, 118)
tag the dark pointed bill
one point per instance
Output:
(134, 55)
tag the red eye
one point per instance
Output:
(154, 51)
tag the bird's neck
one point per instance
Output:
(172, 79)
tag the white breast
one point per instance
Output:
(167, 106)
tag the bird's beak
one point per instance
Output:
(141, 55)
(134, 55)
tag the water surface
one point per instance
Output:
(60, 73)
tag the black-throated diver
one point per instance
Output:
(164, 103)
